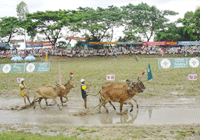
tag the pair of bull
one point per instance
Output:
(115, 92)
(120, 92)
(52, 91)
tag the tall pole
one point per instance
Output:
(59, 73)
(24, 29)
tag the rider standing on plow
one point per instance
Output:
(23, 94)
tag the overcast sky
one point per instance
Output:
(8, 7)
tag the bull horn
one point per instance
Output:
(141, 77)
(130, 85)
(71, 76)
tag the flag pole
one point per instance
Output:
(59, 73)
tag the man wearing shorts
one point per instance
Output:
(22, 92)
(83, 88)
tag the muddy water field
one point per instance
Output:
(169, 108)
(154, 119)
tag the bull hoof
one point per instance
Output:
(131, 110)
(106, 111)
(51, 104)
(119, 113)
(114, 108)
(137, 106)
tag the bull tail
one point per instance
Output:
(95, 94)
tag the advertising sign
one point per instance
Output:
(178, 63)
(171, 43)
(4, 45)
(192, 76)
(187, 43)
(78, 38)
(103, 43)
(34, 45)
(38, 44)
(19, 80)
(130, 42)
(157, 43)
(110, 77)
(25, 67)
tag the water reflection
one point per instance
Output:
(150, 112)
(118, 119)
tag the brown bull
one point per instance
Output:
(47, 92)
(121, 95)
(64, 91)
(112, 85)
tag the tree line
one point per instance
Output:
(100, 24)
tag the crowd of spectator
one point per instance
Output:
(111, 51)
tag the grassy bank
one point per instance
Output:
(114, 132)
(166, 83)
(20, 135)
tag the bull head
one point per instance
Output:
(69, 80)
(128, 81)
(138, 88)
(135, 87)
(140, 84)
(139, 78)
(69, 84)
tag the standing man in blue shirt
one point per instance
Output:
(83, 88)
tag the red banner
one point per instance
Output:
(78, 38)
(157, 43)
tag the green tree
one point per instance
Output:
(97, 23)
(190, 25)
(145, 19)
(170, 33)
(31, 28)
(113, 19)
(9, 27)
(49, 23)
(130, 35)
(197, 22)
(22, 10)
